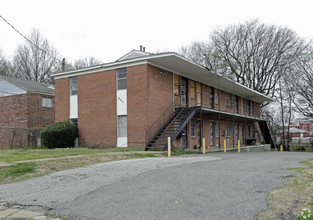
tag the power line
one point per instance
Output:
(28, 39)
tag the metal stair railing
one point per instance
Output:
(154, 129)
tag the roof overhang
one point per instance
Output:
(177, 64)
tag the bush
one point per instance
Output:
(59, 135)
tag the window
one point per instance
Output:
(122, 126)
(249, 108)
(228, 129)
(228, 100)
(74, 120)
(121, 76)
(193, 128)
(217, 129)
(47, 102)
(73, 85)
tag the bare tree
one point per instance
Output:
(285, 96)
(4, 65)
(302, 81)
(86, 62)
(253, 54)
(37, 60)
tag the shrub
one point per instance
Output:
(59, 135)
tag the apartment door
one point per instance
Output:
(184, 138)
(212, 97)
(184, 91)
(198, 132)
(237, 105)
(242, 134)
(237, 133)
(212, 134)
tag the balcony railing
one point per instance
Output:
(227, 105)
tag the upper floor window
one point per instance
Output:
(73, 85)
(228, 100)
(47, 102)
(121, 76)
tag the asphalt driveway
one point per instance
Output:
(213, 186)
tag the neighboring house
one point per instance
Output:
(303, 125)
(142, 99)
(25, 108)
(296, 132)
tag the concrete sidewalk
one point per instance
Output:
(20, 214)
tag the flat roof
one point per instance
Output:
(180, 65)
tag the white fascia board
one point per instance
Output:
(109, 66)
(95, 69)
(221, 78)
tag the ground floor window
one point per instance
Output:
(122, 126)
(74, 120)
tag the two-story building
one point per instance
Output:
(142, 99)
(25, 108)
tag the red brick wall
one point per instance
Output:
(22, 117)
(160, 92)
(62, 101)
(137, 96)
(13, 111)
(97, 109)
(38, 116)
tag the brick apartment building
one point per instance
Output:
(142, 98)
(25, 108)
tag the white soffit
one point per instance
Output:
(184, 67)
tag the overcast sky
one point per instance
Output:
(108, 29)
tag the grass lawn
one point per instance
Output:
(60, 159)
(287, 202)
(12, 155)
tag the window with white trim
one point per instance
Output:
(73, 85)
(122, 126)
(47, 102)
(121, 77)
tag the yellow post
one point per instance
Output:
(203, 145)
(238, 145)
(225, 146)
(169, 146)
(281, 148)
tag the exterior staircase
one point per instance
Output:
(172, 128)
(267, 134)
